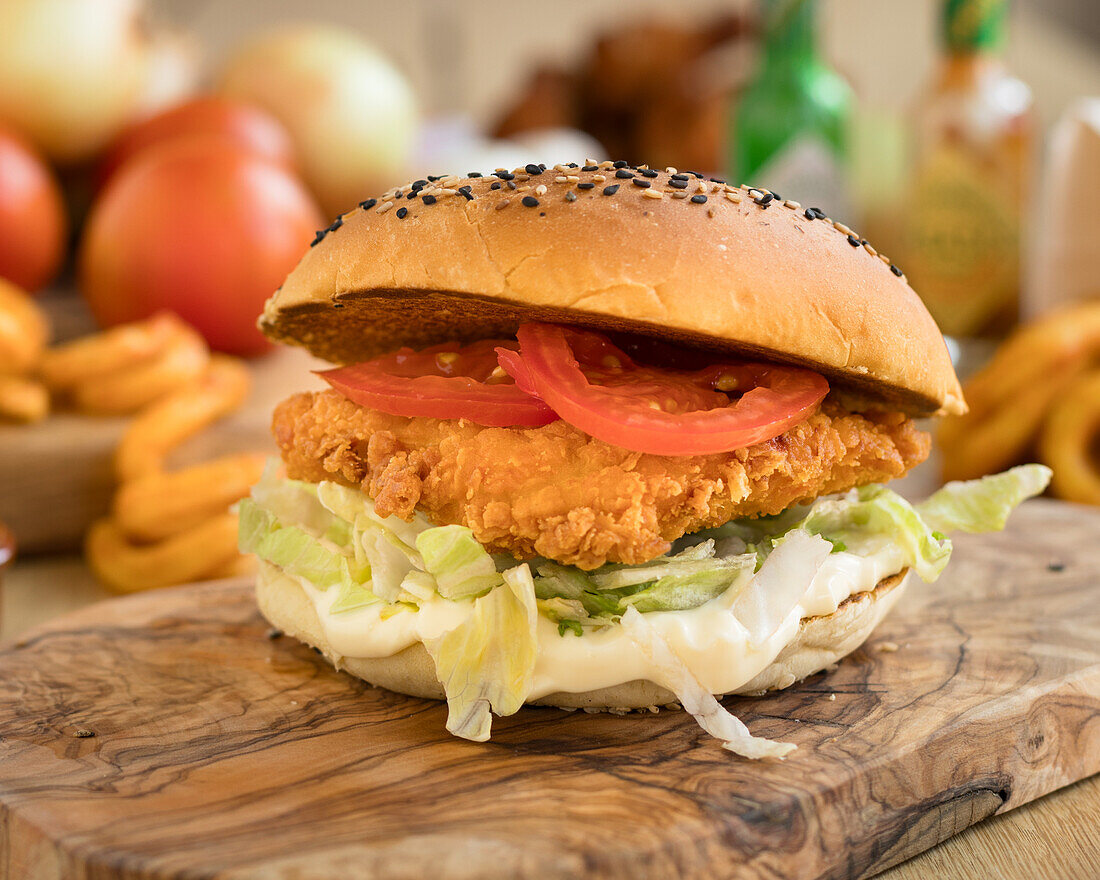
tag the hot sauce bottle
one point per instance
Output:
(961, 223)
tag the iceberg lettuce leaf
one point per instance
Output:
(983, 505)
(487, 662)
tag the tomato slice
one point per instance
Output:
(593, 385)
(442, 382)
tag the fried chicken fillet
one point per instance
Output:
(556, 492)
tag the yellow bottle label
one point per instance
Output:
(961, 242)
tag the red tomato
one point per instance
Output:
(33, 225)
(200, 229)
(442, 382)
(647, 409)
(241, 124)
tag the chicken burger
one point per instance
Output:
(601, 436)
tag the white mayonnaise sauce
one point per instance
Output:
(709, 639)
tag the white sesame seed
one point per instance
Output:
(840, 227)
(521, 189)
(671, 170)
(702, 186)
(679, 194)
(522, 177)
(733, 197)
(716, 188)
(599, 178)
(607, 163)
(383, 208)
(540, 190)
(792, 204)
(652, 194)
(561, 179)
(447, 191)
(884, 259)
(755, 194)
(572, 178)
(590, 162)
(871, 250)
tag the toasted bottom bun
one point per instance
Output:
(820, 642)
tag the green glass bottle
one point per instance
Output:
(790, 129)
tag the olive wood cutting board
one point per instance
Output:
(166, 735)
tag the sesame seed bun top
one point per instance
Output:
(666, 254)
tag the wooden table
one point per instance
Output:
(1055, 837)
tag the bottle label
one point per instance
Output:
(807, 170)
(962, 237)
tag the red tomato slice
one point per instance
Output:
(442, 382)
(593, 385)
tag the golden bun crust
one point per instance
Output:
(728, 274)
(821, 642)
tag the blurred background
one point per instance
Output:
(164, 163)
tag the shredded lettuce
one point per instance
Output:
(461, 566)
(300, 554)
(487, 662)
(696, 699)
(983, 505)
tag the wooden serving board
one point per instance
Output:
(221, 753)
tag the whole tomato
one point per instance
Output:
(32, 216)
(200, 228)
(242, 124)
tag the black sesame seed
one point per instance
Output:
(570, 196)
(1056, 566)
(275, 633)
(896, 270)
(542, 165)
(680, 176)
(611, 190)
(638, 181)
(864, 242)
(368, 204)
(505, 175)
(398, 194)
(495, 185)
(419, 184)
(819, 214)
(429, 200)
(464, 191)
(337, 305)
(776, 196)
(530, 202)
(473, 174)
(591, 168)
(432, 178)
(718, 179)
(810, 215)
(542, 213)
(335, 224)
(571, 165)
(678, 184)
(622, 163)
(765, 199)
(586, 185)
(853, 241)
(318, 238)
(533, 170)
(316, 650)
(413, 193)
(699, 199)
(402, 213)
(623, 174)
(511, 184)
(650, 173)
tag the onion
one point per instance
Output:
(71, 71)
(351, 114)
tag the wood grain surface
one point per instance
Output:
(220, 753)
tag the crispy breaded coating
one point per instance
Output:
(556, 492)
